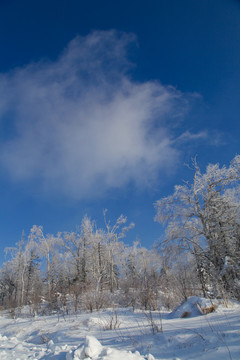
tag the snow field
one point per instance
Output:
(85, 336)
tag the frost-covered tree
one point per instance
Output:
(141, 277)
(45, 246)
(203, 217)
(20, 275)
(112, 235)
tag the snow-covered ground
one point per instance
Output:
(137, 335)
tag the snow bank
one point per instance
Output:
(194, 306)
(113, 354)
(93, 350)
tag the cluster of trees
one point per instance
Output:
(92, 267)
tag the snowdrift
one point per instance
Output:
(93, 350)
(194, 306)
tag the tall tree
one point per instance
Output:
(45, 246)
(203, 217)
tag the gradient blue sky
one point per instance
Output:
(102, 103)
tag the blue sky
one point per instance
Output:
(102, 104)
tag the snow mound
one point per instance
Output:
(90, 350)
(100, 322)
(3, 338)
(93, 350)
(92, 347)
(194, 306)
(113, 354)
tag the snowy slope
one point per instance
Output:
(86, 336)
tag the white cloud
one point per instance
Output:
(82, 125)
(188, 136)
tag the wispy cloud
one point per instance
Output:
(189, 136)
(213, 138)
(81, 125)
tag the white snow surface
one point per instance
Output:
(139, 335)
